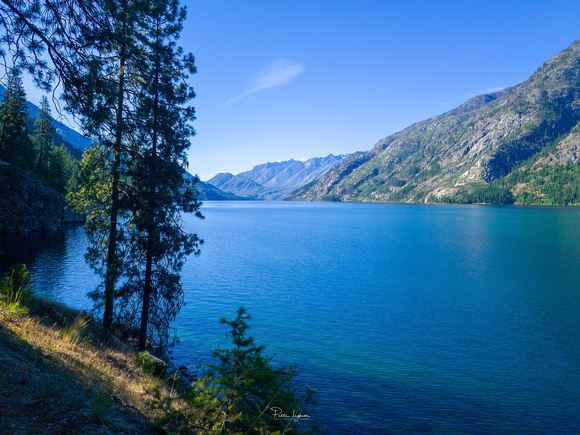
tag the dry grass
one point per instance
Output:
(54, 366)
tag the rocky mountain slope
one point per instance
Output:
(493, 148)
(275, 180)
(207, 192)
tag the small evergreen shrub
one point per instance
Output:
(242, 393)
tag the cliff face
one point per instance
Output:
(26, 204)
(483, 140)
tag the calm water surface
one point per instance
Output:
(405, 318)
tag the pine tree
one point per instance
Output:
(158, 245)
(60, 169)
(123, 76)
(112, 260)
(43, 138)
(89, 45)
(243, 393)
(108, 118)
(15, 144)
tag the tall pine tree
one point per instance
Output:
(124, 77)
(88, 45)
(44, 134)
(15, 144)
(158, 245)
(108, 117)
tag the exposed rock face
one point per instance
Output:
(275, 180)
(567, 152)
(480, 141)
(26, 204)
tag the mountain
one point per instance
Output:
(521, 144)
(275, 180)
(207, 192)
(239, 185)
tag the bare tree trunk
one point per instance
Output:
(151, 238)
(111, 274)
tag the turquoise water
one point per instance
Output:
(406, 318)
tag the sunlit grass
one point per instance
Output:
(73, 332)
(13, 302)
(110, 372)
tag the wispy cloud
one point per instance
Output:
(477, 92)
(275, 74)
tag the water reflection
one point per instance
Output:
(24, 248)
(56, 260)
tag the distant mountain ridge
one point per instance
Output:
(207, 192)
(508, 146)
(275, 180)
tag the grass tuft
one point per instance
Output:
(100, 404)
(13, 302)
(73, 333)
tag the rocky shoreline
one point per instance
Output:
(26, 204)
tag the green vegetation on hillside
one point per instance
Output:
(482, 194)
(32, 144)
(555, 185)
(558, 184)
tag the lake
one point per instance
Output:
(421, 319)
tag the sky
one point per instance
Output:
(296, 79)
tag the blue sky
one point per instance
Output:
(283, 79)
(304, 78)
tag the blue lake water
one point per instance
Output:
(406, 318)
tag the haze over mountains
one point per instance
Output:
(275, 180)
(510, 145)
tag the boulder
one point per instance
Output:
(152, 364)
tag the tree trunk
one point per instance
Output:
(151, 200)
(111, 274)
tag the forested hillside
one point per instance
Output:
(37, 165)
(32, 143)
